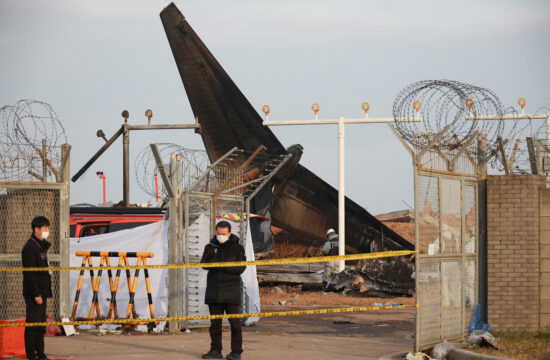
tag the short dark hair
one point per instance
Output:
(224, 225)
(40, 221)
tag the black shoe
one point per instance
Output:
(233, 356)
(213, 354)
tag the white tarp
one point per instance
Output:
(250, 280)
(148, 238)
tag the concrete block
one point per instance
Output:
(545, 306)
(545, 237)
(544, 265)
(545, 223)
(545, 279)
(544, 252)
(544, 322)
(545, 292)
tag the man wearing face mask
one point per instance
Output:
(36, 286)
(223, 289)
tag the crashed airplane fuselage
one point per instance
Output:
(301, 202)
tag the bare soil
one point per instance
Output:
(294, 296)
(359, 335)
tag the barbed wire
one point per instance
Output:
(443, 102)
(193, 163)
(535, 129)
(24, 127)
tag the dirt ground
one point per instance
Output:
(367, 335)
(361, 335)
(294, 296)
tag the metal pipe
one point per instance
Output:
(104, 188)
(163, 127)
(336, 121)
(509, 117)
(97, 155)
(207, 172)
(341, 194)
(157, 186)
(44, 166)
(126, 165)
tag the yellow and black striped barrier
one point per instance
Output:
(308, 260)
(113, 284)
(207, 317)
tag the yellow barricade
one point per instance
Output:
(113, 284)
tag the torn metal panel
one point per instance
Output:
(305, 274)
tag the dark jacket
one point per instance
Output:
(36, 283)
(223, 285)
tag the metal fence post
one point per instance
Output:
(482, 224)
(64, 232)
(174, 242)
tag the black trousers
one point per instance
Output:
(216, 327)
(34, 336)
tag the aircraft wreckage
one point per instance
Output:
(298, 201)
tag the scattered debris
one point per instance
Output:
(417, 356)
(277, 290)
(477, 323)
(441, 350)
(481, 338)
(343, 322)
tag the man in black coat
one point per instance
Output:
(36, 286)
(223, 289)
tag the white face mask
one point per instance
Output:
(45, 235)
(222, 238)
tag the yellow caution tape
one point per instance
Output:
(308, 260)
(207, 317)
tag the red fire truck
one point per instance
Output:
(88, 221)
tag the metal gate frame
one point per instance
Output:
(424, 261)
(459, 165)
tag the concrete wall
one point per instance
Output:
(516, 255)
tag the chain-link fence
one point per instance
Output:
(19, 204)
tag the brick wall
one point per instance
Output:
(513, 253)
(544, 252)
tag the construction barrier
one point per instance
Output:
(105, 263)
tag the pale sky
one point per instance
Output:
(92, 59)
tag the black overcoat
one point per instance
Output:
(36, 283)
(223, 285)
